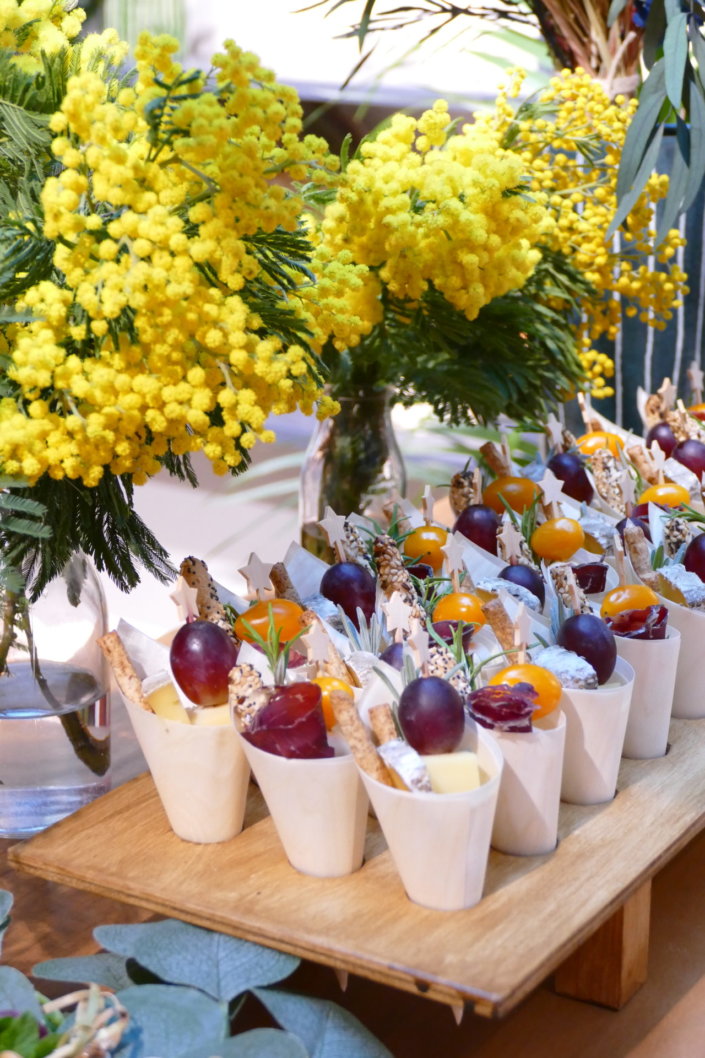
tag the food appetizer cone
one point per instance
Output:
(318, 808)
(440, 842)
(596, 723)
(655, 665)
(526, 819)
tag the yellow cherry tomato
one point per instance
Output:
(628, 597)
(698, 410)
(519, 493)
(547, 686)
(590, 442)
(286, 615)
(328, 684)
(425, 545)
(667, 493)
(557, 539)
(459, 606)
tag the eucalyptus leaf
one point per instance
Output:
(168, 1020)
(105, 969)
(697, 145)
(679, 178)
(258, 1043)
(629, 200)
(641, 128)
(326, 1030)
(675, 53)
(653, 33)
(222, 966)
(17, 993)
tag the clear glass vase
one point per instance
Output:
(54, 704)
(353, 464)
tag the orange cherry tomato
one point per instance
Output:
(547, 686)
(698, 410)
(557, 539)
(424, 545)
(628, 597)
(668, 493)
(286, 615)
(328, 684)
(459, 606)
(590, 442)
(519, 493)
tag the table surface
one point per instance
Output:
(491, 955)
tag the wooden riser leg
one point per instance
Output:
(612, 964)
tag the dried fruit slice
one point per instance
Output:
(649, 623)
(291, 724)
(504, 707)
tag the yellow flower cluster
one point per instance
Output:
(555, 140)
(29, 27)
(153, 336)
(420, 206)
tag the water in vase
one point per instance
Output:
(54, 744)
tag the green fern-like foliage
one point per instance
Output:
(518, 356)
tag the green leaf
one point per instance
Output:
(675, 53)
(641, 128)
(629, 200)
(678, 182)
(221, 966)
(326, 1030)
(258, 1043)
(697, 145)
(654, 32)
(105, 969)
(364, 23)
(169, 1020)
(17, 993)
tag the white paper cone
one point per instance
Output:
(526, 819)
(654, 662)
(596, 722)
(440, 842)
(200, 773)
(688, 696)
(318, 807)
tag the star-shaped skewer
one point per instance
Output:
(695, 377)
(317, 643)
(333, 525)
(418, 641)
(511, 540)
(554, 429)
(184, 597)
(397, 613)
(552, 492)
(256, 573)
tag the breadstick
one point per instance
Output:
(382, 723)
(639, 555)
(495, 459)
(355, 734)
(500, 623)
(210, 608)
(283, 584)
(125, 676)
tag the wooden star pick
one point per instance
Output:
(552, 492)
(658, 455)
(317, 643)
(554, 429)
(509, 541)
(627, 488)
(418, 641)
(256, 573)
(397, 612)
(454, 550)
(522, 631)
(427, 505)
(667, 393)
(333, 525)
(184, 597)
(695, 377)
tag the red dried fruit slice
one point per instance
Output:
(291, 724)
(591, 576)
(504, 707)
(649, 623)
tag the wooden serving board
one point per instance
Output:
(536, 912)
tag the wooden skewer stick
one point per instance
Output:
(619, 559)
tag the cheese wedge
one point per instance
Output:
(164, 701)
(453, 772)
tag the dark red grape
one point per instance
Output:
(664, 437)
(691, 454)
(569, 468)
(202, 654)
(635, 519)
(526, 577)
(291, 724)
(394, 655)
(446, 630)
(431, 715)
(591, 576)
(479, 524)
(351, 586)
(694, 558)
(588, 635)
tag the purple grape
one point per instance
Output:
(569, 468)
(588, 635)
(479, 524)
(202, 654)
(664, 437)
(691, 454)
(394, 655)
(446, 630)
(431, 715)
(694, 558)
(351, 586)
(527, 578)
